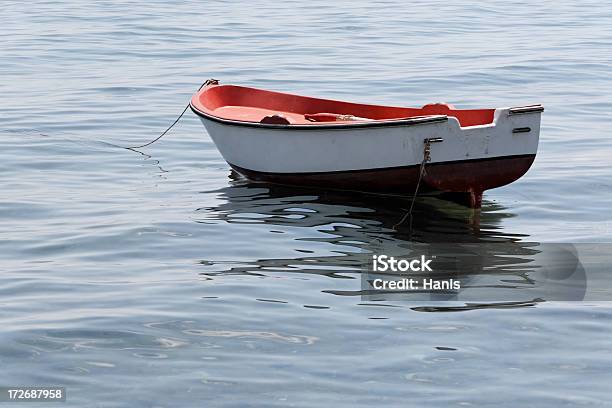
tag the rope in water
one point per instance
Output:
(414, 196)
(207, 82)
(426, 158)
(163, 133)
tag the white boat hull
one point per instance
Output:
(282, 150)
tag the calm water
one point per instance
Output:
(163, 280)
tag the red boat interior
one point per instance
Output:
(244, 104)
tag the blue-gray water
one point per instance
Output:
(160, 280)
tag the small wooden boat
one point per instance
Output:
(297, 140)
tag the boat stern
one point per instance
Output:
(501, 153)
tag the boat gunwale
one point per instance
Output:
(323, 126)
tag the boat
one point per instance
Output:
(296, 140)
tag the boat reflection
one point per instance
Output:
(370, 216)
(356, 226)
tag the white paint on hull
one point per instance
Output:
(286, 150)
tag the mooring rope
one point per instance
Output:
(207, 82)
(426, 158)
(416, 191)
(163, 133)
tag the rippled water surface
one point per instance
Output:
(161, 279)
